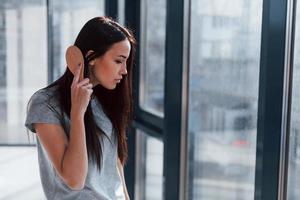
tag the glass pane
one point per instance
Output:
(23, 58)
(152, 55)
(294, 152)
(68, 19)
(223, 98)
(121, 11)
(149, 165)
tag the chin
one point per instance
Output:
(111, 87)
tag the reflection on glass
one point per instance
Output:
(23, 63)
(68, 18)
(223, 95)
(149, 167)
(294, 151)
(152, 65)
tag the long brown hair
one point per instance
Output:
(99, 34)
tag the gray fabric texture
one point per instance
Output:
(104, 185)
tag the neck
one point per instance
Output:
(93, 79)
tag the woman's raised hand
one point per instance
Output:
(81, 92)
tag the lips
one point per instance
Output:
(118, 80)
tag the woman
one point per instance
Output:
(81, 124)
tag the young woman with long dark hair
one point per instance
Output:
(81, 124)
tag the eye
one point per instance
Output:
(118, 61)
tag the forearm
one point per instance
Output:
(75, 160)
(121, 171)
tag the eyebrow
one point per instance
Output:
(122, 56)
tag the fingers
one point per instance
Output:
(88, 86)
(90, 91)
(76, 75)
(83, 82)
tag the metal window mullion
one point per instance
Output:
(50, 42)
(184, 153)
(132, 20)
(150, 130)
(270, 102)
(111, 8)
(287, 100)
(173, 98)
(150, 118)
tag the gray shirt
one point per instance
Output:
(104, 185)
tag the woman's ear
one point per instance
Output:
(91, 62)
(74, 58)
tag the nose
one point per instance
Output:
(124, 70)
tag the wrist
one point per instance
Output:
(76, 116)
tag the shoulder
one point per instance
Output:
(43, 107)
(45, 96)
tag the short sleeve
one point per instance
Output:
(40, 110)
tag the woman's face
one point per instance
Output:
(109, 69)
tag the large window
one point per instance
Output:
(121, 12)
(23, 63)
(223, 98)
(149, 167)
(294, 151)
(68, 17)
(152, 65)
